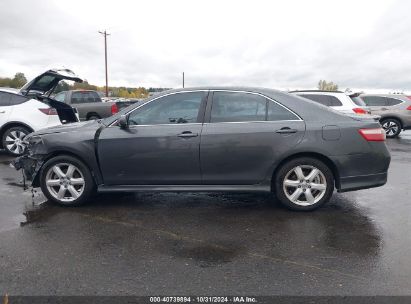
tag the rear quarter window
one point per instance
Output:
(374, 101)
(393, 101)
(78, 97)
(334, 101)
(321, 99)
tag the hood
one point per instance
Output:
(47, 81)
(73, 127)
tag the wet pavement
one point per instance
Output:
(208, 244)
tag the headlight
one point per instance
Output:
(32, 140)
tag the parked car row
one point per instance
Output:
(392, 110)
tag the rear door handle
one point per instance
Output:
(187, 134)
(286, 130)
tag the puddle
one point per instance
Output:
(206, 255)
(14, 184)
(38, 209)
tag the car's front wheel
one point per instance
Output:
(13, 140)
(66, 181)
(392, 127)
(304, 184)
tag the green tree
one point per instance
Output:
(5, 82)
(327, 86)
(18, 81)
(62, 86)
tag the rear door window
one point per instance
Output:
(10, 99)
(275, 112)
(4, 99)
(238, 107)
(78, 97)
(374, 101)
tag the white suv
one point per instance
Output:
(337, 100)
(31, 109)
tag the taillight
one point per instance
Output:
(409, 108)
(376, 134)
(359, 111)
(114, 109)
(49, 111)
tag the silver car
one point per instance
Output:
(394, 109)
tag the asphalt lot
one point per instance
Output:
(208, 244)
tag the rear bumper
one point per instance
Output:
(362, 171)
(353, 183)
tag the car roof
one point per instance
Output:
(385, 95)
(314, 91)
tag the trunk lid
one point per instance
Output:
(43, 85)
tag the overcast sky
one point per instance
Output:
(279, 44)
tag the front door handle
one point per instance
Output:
(286, 130)
(2, 112)
(187, 134)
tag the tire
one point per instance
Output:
(12, 140)
(66, 188)
(288, 182)
(392, 127)
(93, 117)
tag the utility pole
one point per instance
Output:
(105, 57)
(183, 79)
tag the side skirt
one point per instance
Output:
(186, 188)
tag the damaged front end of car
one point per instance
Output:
(32, 159)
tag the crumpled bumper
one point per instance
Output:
(30, 165)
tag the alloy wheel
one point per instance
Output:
(304, 185)
(65, 182)
(391, 128)
(14, 141)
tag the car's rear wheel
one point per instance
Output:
(13, 140)
(392, 127)
(304, 184)
(66, 181)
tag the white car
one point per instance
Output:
(31, 109)
(336, 100)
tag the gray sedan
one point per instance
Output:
(212, 139)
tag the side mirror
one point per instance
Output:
(122, 122)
